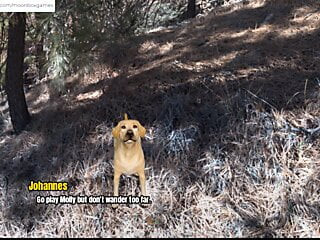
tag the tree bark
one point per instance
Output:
(19, 114)
(40, 54)
(191, 9)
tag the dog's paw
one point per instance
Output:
(114, 205)
(144, 205)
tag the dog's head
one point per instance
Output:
(128, 131)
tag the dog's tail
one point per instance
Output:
(125, 116)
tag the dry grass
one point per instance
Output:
(231, 150)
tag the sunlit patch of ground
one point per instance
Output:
(231, 107)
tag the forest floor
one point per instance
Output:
(231, 104)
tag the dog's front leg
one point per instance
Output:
(116, 180)
(142, 179)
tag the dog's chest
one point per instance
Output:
(130, 164)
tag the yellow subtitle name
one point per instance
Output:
(48, 186)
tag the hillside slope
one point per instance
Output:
(231, 105)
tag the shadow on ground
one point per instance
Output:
(202, 80)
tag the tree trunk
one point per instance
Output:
(191, 9)
(40, 53)
(19, 114)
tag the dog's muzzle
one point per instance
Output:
(130, 133)
(129, 136)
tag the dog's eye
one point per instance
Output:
(123, 127)
(135, 126)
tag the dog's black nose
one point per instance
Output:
(130, 132)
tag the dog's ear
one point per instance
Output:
(141, 130)
(116, 131)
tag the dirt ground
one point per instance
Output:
(231, 103)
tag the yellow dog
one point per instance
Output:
(128, 153)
